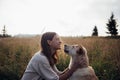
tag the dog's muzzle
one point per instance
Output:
(65, 49)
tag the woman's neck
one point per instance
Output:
(53, 51)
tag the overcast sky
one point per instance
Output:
(66, 17)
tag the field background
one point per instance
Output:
(104, 55)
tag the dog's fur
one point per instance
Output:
(85, 72)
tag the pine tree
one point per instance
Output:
(95, 31)
(4, 31)
(112, 26)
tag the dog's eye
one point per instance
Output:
(80, 51)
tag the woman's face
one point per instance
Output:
(55, 43)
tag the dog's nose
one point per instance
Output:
(65, 45)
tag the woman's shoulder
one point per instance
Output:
(39, 56)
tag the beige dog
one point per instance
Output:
(85, 72)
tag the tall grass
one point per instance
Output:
(103, 53)
(15, 53)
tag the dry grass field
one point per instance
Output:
(104, 55)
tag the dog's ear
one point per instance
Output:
(80, 50)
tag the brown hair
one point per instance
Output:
(52, 58)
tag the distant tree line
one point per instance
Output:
(111, 27)
(4, 33)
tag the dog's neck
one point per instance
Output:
(72, 60)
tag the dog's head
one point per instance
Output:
(74, 50)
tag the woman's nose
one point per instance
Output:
(60, 41)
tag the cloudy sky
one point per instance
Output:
(66, 17)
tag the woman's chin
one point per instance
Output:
(58, 48)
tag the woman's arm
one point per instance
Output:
(67, 73)
(64, 75)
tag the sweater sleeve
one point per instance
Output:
(47, 72)
(56, 70)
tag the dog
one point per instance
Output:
(85, 72)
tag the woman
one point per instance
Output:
(42, 64)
